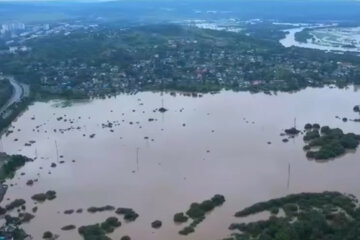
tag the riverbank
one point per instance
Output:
(17, 94)
(8, 167)
(16, 103)
(325, 37)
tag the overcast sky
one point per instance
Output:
(171, 0)
(134, 0)
(58, 0)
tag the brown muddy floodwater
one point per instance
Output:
(222, 149)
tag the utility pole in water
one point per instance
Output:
(57, 151)
(137, 158)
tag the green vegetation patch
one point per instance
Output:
(100, 209)
(328, 215)
(356, 108)
(99, 231)
(197, 212)
(13, 112)
(180, 218)
(41, 197)
(327, 143)
(304, 36)
(15, 204)
(129, 214)
(9, 165)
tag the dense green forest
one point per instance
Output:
(304, 216)
(107, 60)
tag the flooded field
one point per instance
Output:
(159, 163)
(329, 38)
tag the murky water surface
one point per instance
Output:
(200, 147)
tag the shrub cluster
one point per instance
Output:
(329, 143)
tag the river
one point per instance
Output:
(214, 144)
(330, 41)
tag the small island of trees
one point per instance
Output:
(356, 108)
(10, 164)
(326, 143)
(197, 213)
(99, 231)
(321, 216)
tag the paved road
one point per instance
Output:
(17, 95)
